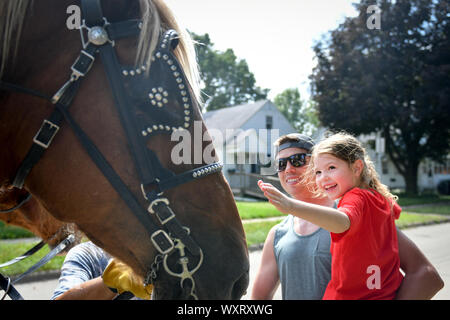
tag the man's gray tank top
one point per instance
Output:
(304, 262)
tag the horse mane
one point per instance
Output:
(12, 16)
(156, 17)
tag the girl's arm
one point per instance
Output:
(327, 218)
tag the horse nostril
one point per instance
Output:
(240, 287)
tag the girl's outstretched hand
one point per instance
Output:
(282, 202)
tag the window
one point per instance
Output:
(385, 167)
(440, 168)
(269, 122)
(371, 144)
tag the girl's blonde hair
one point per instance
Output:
(346, 147)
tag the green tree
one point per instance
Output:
(301, 115)
(227, 80)
(394, 80)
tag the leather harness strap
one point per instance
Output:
(20, 204)
(5, 284)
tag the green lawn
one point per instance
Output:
(253, 210)
(408, 219)
(9, 251)
(435, 209)
(256, 232)
(405, 200)
(13, 232)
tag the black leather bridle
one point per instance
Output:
(140, 101)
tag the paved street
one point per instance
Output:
(433, 240)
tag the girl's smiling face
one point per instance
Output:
(334, 176)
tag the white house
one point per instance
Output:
(243, 137)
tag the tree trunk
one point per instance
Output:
(411, 178)
(407, 163)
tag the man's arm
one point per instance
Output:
(422, 281)
(81, 274)
(94, 289)
(267, 279)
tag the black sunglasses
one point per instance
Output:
(297, 160)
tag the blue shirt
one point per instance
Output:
(83, 262)
(304, 262)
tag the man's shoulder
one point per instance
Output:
(282, 227)
(85, 249)
(283, 223)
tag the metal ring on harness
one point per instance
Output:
(181, 274)
(185, 274)
(8, 287)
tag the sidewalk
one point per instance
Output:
(434, 242)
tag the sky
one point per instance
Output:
(275, 37)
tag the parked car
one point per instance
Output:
(444, 187)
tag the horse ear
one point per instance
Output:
(173, 38)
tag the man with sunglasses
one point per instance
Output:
(297, 252)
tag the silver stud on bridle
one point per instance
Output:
(96, 35)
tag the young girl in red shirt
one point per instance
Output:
(364, 246)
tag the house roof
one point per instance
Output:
(232, 117)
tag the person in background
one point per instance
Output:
(89, 273)
(297, 252)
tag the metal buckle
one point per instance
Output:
(166, 201)
(77, 73)
(155, 182)
(43, 144)
(157, 246)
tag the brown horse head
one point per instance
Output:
(67, 182)
(31, 215)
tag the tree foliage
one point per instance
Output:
(227, 80)
(395, 80)
(301, 115)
